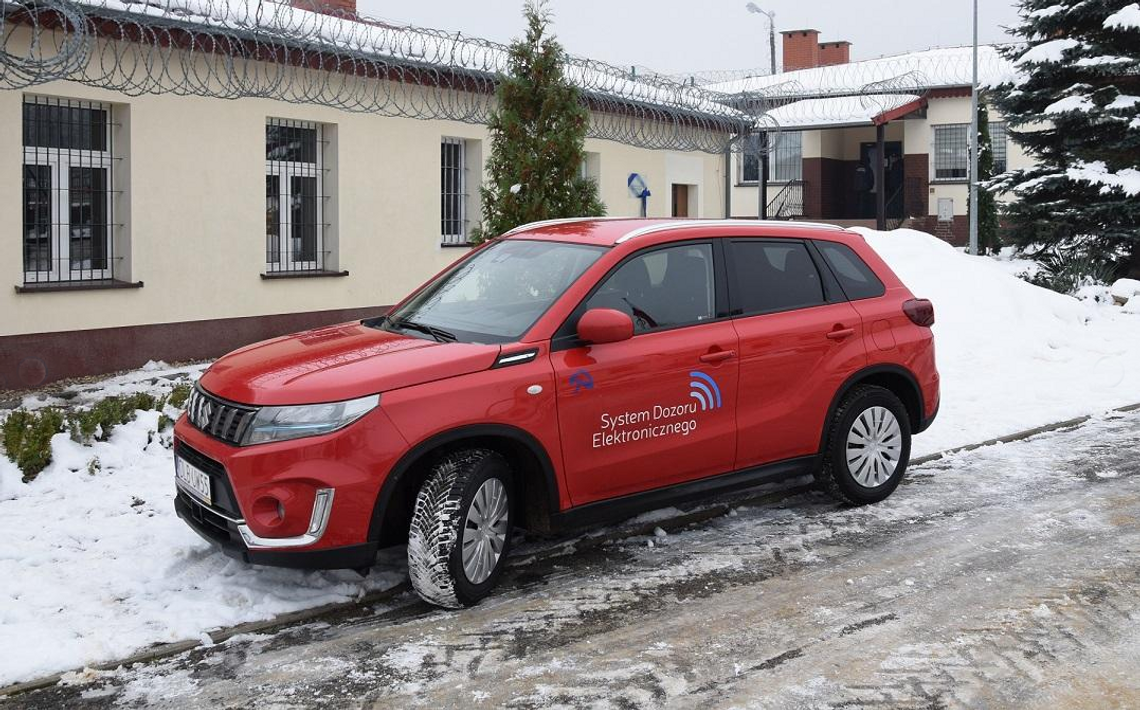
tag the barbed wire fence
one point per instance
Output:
(304, 52)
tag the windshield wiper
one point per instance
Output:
(439, 334)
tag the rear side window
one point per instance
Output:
(856, 278)
(774, 276)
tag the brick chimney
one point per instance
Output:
(801, 49)
(834, 53)
(328, 7)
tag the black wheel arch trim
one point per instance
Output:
(918, 424)
(471, 431)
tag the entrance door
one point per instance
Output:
(659, 408)
(892, 174)
(680, 200)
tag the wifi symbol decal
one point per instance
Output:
(705, 391)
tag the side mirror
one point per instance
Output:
(604, 325)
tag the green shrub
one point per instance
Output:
(178, 396)
(1066, 271)
(99, 421)
(27, 438)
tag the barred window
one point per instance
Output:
(294, 197)
(67, 191)
(951, 154)
(998, 136)
(453, 190)
(785, 162)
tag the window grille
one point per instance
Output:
(951, 154)
(453, 190)
(294, 197)
(998, 136)
(785, 161)
(68, 206)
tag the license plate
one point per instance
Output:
(192, 480)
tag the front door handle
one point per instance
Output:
(719, 356)
(841, 333)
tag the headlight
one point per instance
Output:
(284, 423)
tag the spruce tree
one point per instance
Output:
(988, 240)
(538, 130)
(1074, 106)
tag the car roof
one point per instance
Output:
(610, 231)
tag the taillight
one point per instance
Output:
(920, 311)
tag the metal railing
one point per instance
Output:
(788, 202)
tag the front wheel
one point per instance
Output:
(461, 528)
(868, 446)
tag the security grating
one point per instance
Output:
(453, 191)
(951, 154)
(294, 197)
(68, 205)
(785, 162)
(998, 137)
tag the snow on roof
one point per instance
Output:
(912, 72)
(371, 40)
(837, 111)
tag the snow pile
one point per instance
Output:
(96, 565)
(1012, 355)
(1123, 290)
(1127, 18)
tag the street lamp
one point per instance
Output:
(751, 7)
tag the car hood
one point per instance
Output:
(338, 362)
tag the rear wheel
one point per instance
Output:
(868, 446)
(461, 528)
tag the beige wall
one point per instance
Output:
(192, 174)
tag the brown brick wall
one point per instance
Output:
(801, 49)
(831, 53)
(956, 232)
(916, 184)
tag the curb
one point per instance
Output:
(585, 542)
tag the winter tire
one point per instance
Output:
(461, 528)
(868, 446)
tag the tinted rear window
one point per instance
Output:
(856, 278)
(774, 276)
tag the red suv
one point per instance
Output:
(565, 374)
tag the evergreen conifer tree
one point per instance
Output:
(1074, 106)
(537, 132)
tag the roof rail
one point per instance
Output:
(668, 226)
(551, 222)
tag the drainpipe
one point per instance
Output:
(762, 198)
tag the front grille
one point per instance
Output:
(217, 417)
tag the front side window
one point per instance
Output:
(496, 294)
(951, 152)
(663, 288)
(785, 162)
(67, 190)
(294, 197)
(453, 191)
(998, 137)
(774, 276)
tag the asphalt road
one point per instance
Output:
(1006, 577)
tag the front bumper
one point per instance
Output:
(225, 532)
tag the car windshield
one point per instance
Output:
(494, 296)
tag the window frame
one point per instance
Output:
(566, 336)
(285, 171)
(60, 162)
(774, 160)
(459, 194)
(832, 293)
(937, 164)
(1004, 145)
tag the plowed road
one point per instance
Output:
(1006, 577)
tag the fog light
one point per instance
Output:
(269, 511)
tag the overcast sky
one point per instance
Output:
(676, 36)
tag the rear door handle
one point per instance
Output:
(841, 333)
(719, 356)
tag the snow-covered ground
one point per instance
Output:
(96, 565)
(1012, 355)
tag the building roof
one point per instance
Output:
(913, 72)
(843, 111)
(284, 25)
